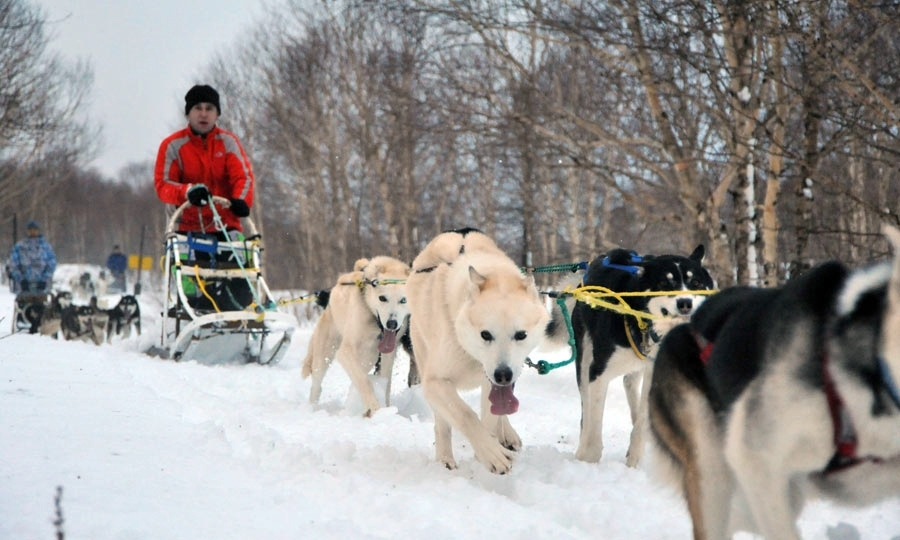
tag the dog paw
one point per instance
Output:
(633, 459)
(589, 455)
(497, 458)
(511, 441)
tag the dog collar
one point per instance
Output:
(844, 433)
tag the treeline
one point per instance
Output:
(766, 130)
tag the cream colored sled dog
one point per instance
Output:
(366, 313)
(475, 317)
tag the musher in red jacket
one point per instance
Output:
(203, 160)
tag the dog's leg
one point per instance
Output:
(319, 354)
(387, 371)
(447, 404)
(632, 383)
(443, 442)
(593, 398)
(638, 413)
(352, 359)
(760, 474)
(498, 426)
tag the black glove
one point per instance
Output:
(25, 285)
(239, 208)
(39, 286)
(198, 195)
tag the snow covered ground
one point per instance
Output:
(145, 448)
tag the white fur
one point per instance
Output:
(456, 301)
(769, 458)
(348, 329)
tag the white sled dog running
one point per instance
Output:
(474, 318)
(771, 397)
(365, 315)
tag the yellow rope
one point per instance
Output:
(203, 288)
(593, 295)
(634, 348)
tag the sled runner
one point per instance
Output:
(218, 308)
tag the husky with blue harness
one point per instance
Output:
(639, 298)
(218, 307)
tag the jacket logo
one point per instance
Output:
(220, 154)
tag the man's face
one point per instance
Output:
(33, 232)
(202, 117)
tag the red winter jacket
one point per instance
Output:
(216, 159)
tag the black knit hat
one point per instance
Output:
(201, 93)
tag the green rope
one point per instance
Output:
(544, 367)
(567, 267)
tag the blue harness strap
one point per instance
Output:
(634, 257)
(206, 243)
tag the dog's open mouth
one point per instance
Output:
(388, 341)
(502, 399)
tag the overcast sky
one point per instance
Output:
(145, 56)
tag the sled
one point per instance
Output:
(218, 308)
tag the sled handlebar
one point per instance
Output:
(221, 201)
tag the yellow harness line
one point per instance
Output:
(592, 295)
(300, 300)
(200, 283)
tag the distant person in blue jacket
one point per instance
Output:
(32, 262)
(117, 263)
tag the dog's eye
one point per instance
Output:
(487, 336)
(382, 298)
(664, 312)
(403, 300)
(520, 335)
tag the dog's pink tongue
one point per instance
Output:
(502, 399)
(388, 341)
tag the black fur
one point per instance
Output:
(648, 273)
(126, 313)
(322, 298)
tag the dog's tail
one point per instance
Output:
(556, 333)
(322, 298)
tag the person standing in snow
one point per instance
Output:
(117, 263)
(203, 160)
(32, 262)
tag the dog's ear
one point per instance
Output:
(893, 238)
(698, 253)
(476, 278)
(360, 264)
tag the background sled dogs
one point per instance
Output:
(770, 396)
(475, 317)
(365, 314)
(609, 344)
(123, 316)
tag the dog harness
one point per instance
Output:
(844, 434)
(631, 269)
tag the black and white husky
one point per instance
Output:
(123, 316)
(610, 343)
(769, 397)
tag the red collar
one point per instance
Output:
(844, 433)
